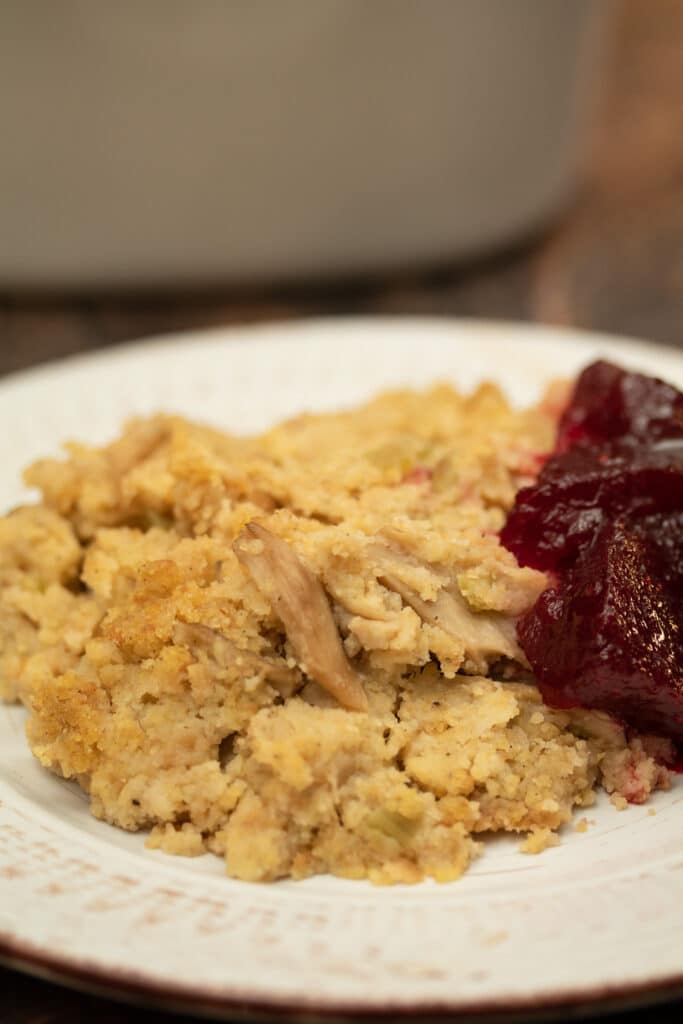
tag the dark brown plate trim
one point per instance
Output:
(135, 987)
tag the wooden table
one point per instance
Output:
(614, 262)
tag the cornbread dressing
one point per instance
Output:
(298, 651)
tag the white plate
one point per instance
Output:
(598, 917)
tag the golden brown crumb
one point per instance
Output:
(539, 840)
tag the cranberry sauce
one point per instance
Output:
(606, 518)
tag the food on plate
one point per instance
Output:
(606, 517)
(300, 651)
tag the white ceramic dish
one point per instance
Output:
(596, 919)
(164, 141)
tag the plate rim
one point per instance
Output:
(129, 986)
(260, 330)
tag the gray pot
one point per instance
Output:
(169, 141)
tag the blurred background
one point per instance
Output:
(168, 165)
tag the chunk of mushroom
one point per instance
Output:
(299, 600)
(483, 635)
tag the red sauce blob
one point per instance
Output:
(605, 517)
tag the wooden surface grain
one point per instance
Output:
(614, 262)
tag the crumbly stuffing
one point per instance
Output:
(298, 651)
